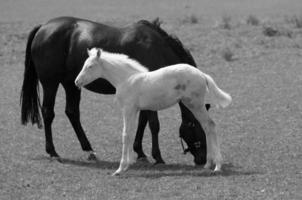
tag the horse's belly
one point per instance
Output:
(101, 86)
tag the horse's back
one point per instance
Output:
(59, 47)
(50, 47)
(65, 32)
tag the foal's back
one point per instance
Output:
(164, 87)
(180, 74)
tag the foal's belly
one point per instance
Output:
(157, 102)
(158, 96)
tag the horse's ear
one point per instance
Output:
(98, 53)
(88, 52)
(208, 106)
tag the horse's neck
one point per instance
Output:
(117, 73)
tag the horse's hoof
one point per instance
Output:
(56, 158)
(207, 165)
(160, 162)
(52, 153)
(142, 160)
(92, 157)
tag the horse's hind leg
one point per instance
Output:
(72, 110)
(144, 117)
(213, 149)
(154, 127)
(137, 145)
(49, 95)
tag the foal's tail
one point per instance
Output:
(29, 98)
(220, 97)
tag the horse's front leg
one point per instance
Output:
(72, 110)
(137, 145)
(154, 127)
(129, 117)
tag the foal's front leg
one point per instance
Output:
(129, 117)
(213, 148)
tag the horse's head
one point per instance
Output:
(91, 70)
(193, 134)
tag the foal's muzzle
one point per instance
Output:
(78, 84)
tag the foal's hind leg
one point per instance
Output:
(213, 149)
(49, 95)
(72, 110)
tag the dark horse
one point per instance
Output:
(55, 54)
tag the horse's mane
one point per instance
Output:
(172, 40)
(124, 59)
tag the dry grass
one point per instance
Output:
(227, 54)
(272, 31)
(260, 132)
(225, 22)
(191, 19)
(296, 20)
(252, 20)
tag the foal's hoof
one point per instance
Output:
(217, 169)
(217, 172)
(117, 173)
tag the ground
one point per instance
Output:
(260, 133)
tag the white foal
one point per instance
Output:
(138, 89)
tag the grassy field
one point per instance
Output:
(260, 65)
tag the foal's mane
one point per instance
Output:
(119, 58)
(176, 45)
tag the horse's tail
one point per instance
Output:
(219, 97)
(29, 98)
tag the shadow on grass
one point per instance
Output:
(149, 170)
(174, 170)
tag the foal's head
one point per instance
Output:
(193, 134)
(92, 69)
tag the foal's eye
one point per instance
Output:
(89, 66)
